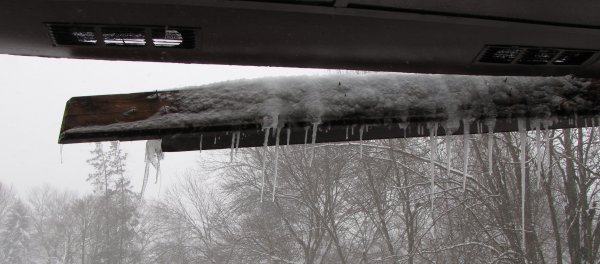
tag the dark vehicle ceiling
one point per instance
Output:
(466, 37)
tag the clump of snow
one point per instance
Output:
(275, 101)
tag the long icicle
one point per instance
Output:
(360, 135)
(490, 123)
(315, 126)
(305, 138)
(432, 151)
(264, 163)
(276, 162)
(233, 134)
(547, 150)
(289, 132)
(546, 125)
(466, 149)
(598, 128)
(237, 141)
(346, 132)
(538, 157)
(523, 139)
(449, 132)
(448, 152)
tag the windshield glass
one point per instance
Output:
(486, 197)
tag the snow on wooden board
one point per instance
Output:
(388, 104)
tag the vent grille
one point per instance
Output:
(537, 56)
(123, 36)
(534, 56)
(173, 38)
(501, 54)
(573, 57)
(73, 35)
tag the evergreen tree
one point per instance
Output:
(15, 236)
(118, 213)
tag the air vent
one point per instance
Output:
(538, 56)
(126, 37)
(123, 36)
(299, 2)
(573, 57)
(502, 55)
(73, 35)
(173, 38)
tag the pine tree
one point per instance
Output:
(15, 236)
(117, 204)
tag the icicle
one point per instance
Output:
(598, 128)
(490, 123)
(352, 130)
(215, 142)
(404, 127)
(232, 147)
(547, 152)
(276, 162)
(546, 125)
(289, 132)
(466, 149)
(145, 180)
(200, 145)
(360, 136)
(314, 140)
(264, 163)
(448, 152)
(593, 124)
(432, 151)
(451, 125)
(61, 153)
(346, 132)
(538, 148)
(237, 141)
(305, 138)
(523, 137)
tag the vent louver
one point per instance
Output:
(123, 36)
(573, 57)
(500, 54)
(173, 38)
(538, 56)
(126, 37)
(73, 35)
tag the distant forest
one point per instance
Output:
(420, 200)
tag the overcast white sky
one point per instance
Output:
(34, 93)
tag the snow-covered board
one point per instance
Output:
(340, 107)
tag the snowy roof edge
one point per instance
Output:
(383, 105)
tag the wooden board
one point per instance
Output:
(90, 111)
